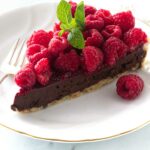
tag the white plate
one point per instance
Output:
(95, 116)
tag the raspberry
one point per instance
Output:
(40, 37)
(73, 7)
(93, 38)
(93, 22)
(26, 77)
(68, 62)
(125, 20)
(43, 72)
(36, 52)
(57, 27)
(89, 10)
(111, 30)
(135, 37)
(129, 86)
(114, 49)
(111, 57)
(92, 58)
(106, 15)
(57, 45)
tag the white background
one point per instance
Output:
(139, 140)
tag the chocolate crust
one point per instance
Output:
(38, 98)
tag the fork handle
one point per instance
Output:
(3, 76)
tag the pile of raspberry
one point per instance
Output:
(108, 38)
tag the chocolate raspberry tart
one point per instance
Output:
(88, 48)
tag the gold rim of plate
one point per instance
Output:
(79, 141)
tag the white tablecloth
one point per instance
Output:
(139, 140)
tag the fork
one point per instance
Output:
(14, 60)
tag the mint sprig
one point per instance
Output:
(73, 25)
(64, 12)
(76, 39)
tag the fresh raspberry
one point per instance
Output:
(56, 27)
(93, 22)
(36, 52)
(40, 37)
(65, 35)
(111, 57)
(26, 77)
(111, 30)
(92, 58)
(114, 49)
(57, 45)
(43, 71)
(106, 15)
(93, 38)
(68, 62)
(135, 37)
(89, 10)
(73, 7)
(129, 86)
(125, 20)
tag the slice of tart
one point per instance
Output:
(88, 47)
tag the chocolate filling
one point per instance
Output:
(60, 87)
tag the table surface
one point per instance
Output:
(139, 140)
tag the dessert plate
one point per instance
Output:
(94, 116)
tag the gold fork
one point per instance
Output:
(14, 60)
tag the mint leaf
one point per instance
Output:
(64, 12)
(73, 23)
(61, 32)
(76, 38)
(80, 15)
(64, 26)
(70, 24)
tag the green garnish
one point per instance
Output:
(73, 25)
(76, 39)
(80, 15)
(64, 12)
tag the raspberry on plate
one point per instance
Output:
(129, 86)
(106, 15)
(43, 71)
(57, 45)
(92, 58)
(111, 30)
(125, 20)
(94, 22)
(93, 38)
(114, 49)
(26, 77)
(36, 52)
(135, 37)
(89, 10)
(40, 37)
(68, 62)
